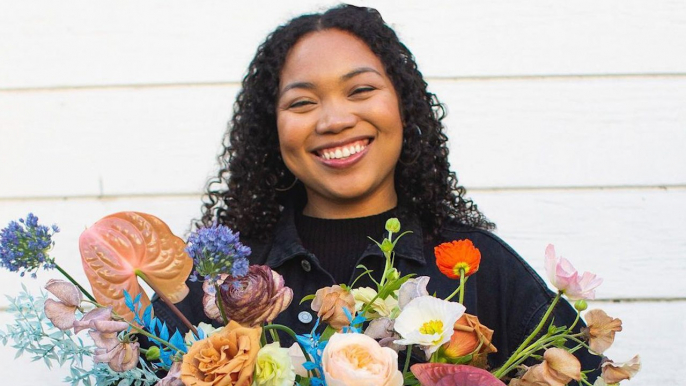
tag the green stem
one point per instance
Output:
(151, 336)
(501, 372)
(71, 279)
(168, 302)
(291, 333)
(408, 356)
(220, 304)
(460, 288)
(463, 280)
(576, 320)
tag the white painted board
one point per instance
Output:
(633, 239)
(505, 133)
(79, 42)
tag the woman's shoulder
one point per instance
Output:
(498, 258)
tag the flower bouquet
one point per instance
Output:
(357, 337)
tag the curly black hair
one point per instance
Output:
(252, 183)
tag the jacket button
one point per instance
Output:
(307, 267)
(304, 317)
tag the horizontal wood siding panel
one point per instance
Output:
(77, 42)
(506, 133)
(621, 235)
(565, 133)
(633, 239)
(109, 142)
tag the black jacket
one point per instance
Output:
(506, 293)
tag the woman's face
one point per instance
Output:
(339, 125)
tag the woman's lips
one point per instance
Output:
(343, 156)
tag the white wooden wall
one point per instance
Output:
(567, 122)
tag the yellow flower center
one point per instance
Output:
(431, 327)
(459, 266)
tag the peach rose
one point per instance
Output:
(356, 359)
(329, 303)
(226, 358)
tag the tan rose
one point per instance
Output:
(226, 358)
(558, 368)
(357, 360)
(601, 330)
(469, 336)
(617, 372)
(329, 303)
(255, 298)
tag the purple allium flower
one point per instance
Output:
(216, 250)
(24, 246)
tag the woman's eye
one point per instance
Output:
(300, 103)
(361, 90)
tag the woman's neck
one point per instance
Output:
(320, 207)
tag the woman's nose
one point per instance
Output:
(334, 118)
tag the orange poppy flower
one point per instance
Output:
(453, 256)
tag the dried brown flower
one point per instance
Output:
(601, 330)
(617, 372)
(469, 335)
(329, 303)
(558, 368)
(122, 357)
(62, 312)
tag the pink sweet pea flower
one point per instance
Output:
(565, 278)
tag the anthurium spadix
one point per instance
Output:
(124, 246)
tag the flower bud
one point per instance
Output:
(153, 353)
(386, 246)
(580, 305)
(393, 225)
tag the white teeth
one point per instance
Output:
(342, 152)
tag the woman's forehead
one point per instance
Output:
(328, 53)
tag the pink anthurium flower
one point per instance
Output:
(122, 246)
(445, 374)
(565, 278)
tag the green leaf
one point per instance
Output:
(306, 298)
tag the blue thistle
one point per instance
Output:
(24, 246)
(217, 250)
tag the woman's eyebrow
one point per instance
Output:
(303, 85)
(311, 86)
(358, 71)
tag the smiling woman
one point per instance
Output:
(334, 132)
(339, 125)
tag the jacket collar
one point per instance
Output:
(286, 243)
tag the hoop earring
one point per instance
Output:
(288, 188)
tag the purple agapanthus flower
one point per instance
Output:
(217, 250)
(24, 246)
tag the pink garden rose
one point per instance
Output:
(356, 360)
(565, 278)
